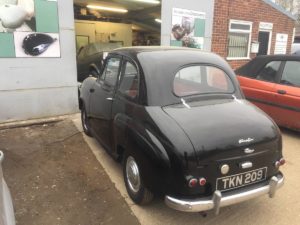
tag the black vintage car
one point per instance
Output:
(178, 120)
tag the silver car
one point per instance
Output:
(6, 207)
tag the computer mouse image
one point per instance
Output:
(37, 43)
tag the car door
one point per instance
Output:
(261, 89)
(126, 98)
(288, 95)
(101, 100)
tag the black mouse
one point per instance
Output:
(37, 43)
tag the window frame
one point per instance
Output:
(102, 76)
(121, 76)
(203, 94)
(232, 30)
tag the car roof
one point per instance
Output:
(159, 66)
(158, 52)
(254, 66)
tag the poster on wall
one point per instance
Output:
(29, 28)
(281, 43)
(188, 28)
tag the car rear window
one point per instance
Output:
(198, 79)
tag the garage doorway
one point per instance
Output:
(104, 25)
(264, 39)
(129, 22)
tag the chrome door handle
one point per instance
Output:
(109, 99)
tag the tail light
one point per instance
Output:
(282, 161)
(202, 181)
(193, 182)
(279, 163)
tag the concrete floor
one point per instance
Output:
(55, 179)
(283, 209)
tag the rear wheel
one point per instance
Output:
(85, 122)
(134, 183)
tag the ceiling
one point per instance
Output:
(142, 15)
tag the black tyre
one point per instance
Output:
(85, 122)
(134, 182)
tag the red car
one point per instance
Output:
(273, 84)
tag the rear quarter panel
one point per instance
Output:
(86, 86)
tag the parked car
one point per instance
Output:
(273, 84)
(6, 207)
(89, 58)
(177, 119)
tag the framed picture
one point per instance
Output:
(29, 28)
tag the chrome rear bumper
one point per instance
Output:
(219, 200)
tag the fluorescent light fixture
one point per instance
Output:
(118, 10)
(158, 20)
(148, 1)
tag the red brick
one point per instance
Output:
(255, 11)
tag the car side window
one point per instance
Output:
(291, 74)
(269, 72)
(129, 85)
(111, 71)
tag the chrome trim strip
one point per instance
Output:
(217, 200)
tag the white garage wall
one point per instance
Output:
(42, 87)
(206, 6)
(96, 30)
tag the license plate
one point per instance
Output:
(242, 179)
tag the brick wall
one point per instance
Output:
(255, 11)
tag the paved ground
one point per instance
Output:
(56, 180)
(283, 209)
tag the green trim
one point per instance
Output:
(7, 45)
(199, 28)
(46, 14)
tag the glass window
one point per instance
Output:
(130, 83)
(269, 72)
(195, 80)
(291, 74)
(239, 39)
(111, 71)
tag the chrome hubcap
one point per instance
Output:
(133, 174)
